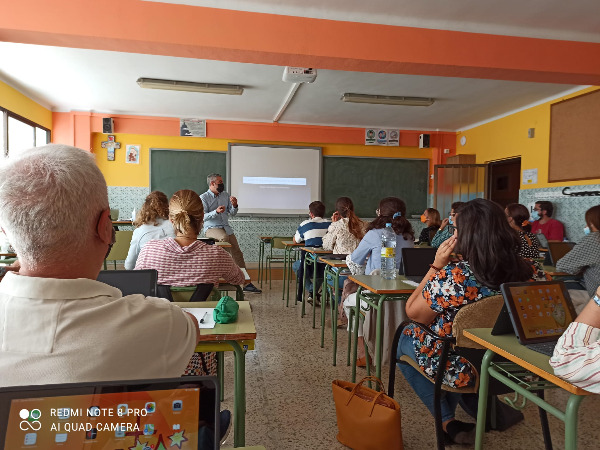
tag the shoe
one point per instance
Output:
(251, 288)
(224, 425)
(461, 432)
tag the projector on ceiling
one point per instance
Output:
(299, 74)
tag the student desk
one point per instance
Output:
(239, 337)
(333, 269)
(124, 223)
(512, 375)
(289, 248)
(261, 256)
(310, 259)
(381, 290)
(551, 270)
(9, 258)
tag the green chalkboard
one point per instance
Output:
(368, 180)
(172, 170)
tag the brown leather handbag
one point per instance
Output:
(367, 419)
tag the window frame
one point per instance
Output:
(6, 113)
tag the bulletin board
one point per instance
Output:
(575, 138)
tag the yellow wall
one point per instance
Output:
(18, 103)
(119, 173)
(507, 138)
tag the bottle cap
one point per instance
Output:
(388, 224)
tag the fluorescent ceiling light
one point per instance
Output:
(188, 86)
(387, 100)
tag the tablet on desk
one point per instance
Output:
(338, 256)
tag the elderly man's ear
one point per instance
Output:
(104, 228)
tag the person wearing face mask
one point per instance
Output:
(431, 219)
(447, 227)
(218, 206)
(584, 259)
(543, 222)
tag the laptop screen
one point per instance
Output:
(540, 311)
(159, 414)
(558, 250)
(131, 281)
(416, 260)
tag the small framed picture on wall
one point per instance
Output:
(132, 154)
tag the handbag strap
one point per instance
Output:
(369, 378)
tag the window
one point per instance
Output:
(18, 133)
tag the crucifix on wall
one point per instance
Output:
(110, 145)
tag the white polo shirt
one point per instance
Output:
(66, 331)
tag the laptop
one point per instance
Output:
(181, 413)
(416, 262)
(337, 256)
(558, 249)
(131, 281)
(539, 313)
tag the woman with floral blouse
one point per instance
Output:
(489, 258)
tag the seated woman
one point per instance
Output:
(487, 245)
(577, 351)
(151, 223)
(447, 227)
(431, 218)
(368, 253)
(186, 261)
(584, 259)
(518, 219)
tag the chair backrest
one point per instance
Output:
(558, 249)
(114, 214)
(198, 293)
(277, 242)
(121, 248)
(481, 314)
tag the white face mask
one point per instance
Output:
(586, 230)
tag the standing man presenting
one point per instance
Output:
(218, 205)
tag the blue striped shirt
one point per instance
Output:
(312, 231)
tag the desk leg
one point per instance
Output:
(324, 298)
(284, 273)
(288, 257)
(303, 288)
(355, 333)
(378, 337)
(484, 379)
(239, 400)
(315, 290)
(261, 252)
(335, 301)
(571, 421)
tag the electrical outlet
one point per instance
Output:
(446, 151)
(431, 176)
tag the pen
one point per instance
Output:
(203, 317)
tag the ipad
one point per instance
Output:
(131, 281)
(173, 413)
(539, 311)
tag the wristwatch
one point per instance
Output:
(596, 299)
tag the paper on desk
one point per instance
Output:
(198, 313)
(411, 282)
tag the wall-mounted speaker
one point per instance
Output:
(108, 126)
(424, 141)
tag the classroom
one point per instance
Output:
(431, 104)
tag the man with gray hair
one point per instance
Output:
(218, 206)
(57, 324)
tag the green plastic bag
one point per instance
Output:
(226, 310)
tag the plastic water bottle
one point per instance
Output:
(388, 253)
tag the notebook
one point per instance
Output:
(539, 313)
(181, 413)
(558, 249)
(416, 262)
(131, 281)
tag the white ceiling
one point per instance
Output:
(66, 79)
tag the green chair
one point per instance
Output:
(276, 243)
(120, 248)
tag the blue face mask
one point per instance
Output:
(535, 215)
(586, 230)
(450, 221)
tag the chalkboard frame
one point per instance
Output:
(203, 177)
(371, 158)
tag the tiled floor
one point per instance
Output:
(290, 405)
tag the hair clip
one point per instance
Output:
(525, 223)
(398, 214)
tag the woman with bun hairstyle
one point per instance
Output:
(151, 222)
(367, 256)
(518, 219)
(186, 261)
